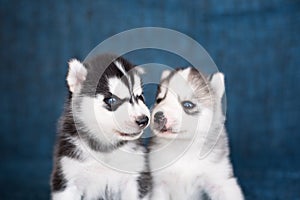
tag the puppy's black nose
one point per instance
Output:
(159, 117)
(142, 121)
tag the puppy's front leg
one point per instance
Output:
(227, 189)
(69, 193)
(159, 192)
(130, 190)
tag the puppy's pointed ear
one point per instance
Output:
(165, 74)
(140, 70)
(76, 75)
(217, 83)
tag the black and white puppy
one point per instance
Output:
(98, 155)
(189, 157)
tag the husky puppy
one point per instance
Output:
(189, 156)
(98, 155)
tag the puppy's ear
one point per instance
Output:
(76, 75)
(165, 74)
(217, 83)
(140, 70)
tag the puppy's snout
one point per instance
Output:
(159, 117)
(142, 121)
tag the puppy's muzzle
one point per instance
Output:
(142, 121)
(160, 121)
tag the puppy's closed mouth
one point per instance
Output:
(168, 131)
(165, 130)
(128, 134)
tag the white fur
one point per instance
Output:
(93, 171)
(105, 125)
(93, 113)
(180, 171)
(165, 73)
(217, 83)
(76, 75)
(90, 175)
(118, 88)
(121, 68)
(140, 70)
(137, 89)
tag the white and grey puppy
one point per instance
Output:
(98, 155)
(189, 156)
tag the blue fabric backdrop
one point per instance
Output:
(255, 43)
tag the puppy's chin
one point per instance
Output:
(128, 136)
(172, 135)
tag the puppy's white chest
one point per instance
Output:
(177, 185)
(93, 179)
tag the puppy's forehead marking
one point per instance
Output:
(137, 89)
(120, 67)
(185, 73)
(129, 85)
(164, 83)
(177, 84)
(118, 88)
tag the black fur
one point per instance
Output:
(98, 66)
(194, 74)
(58, 181)
(67, 127)
(204, 196)
(64, 147)
(145, 180)
(94, 145)
(108, 195)
(166, 79)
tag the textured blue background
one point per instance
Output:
(255, 43)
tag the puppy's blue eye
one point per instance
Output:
(188, 104)
(111, 101)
